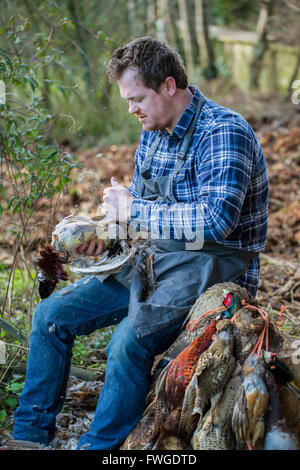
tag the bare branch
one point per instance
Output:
(292, 6)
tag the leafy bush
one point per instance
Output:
(34, 163)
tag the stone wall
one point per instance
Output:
(236, 48)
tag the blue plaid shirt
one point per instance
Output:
(224, 175)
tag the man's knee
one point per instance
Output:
(48, 316)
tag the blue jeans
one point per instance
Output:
(77, 310)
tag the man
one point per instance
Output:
(200, 192)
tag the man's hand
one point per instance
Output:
(117, 202)
(92, 248)
(116, 206)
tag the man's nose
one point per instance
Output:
(133, 108)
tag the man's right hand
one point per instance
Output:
(94, 247)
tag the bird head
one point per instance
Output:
(269, 357)
(232, 302)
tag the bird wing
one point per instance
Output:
(257, 404)
(188, 420)
(239, 416)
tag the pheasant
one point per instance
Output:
(211, 300)
(282, 374)
(175, 368)
(213, 370)
(172, 383)
(278, 434)
(183, 367)
(214, 431)
(50, 267)
(70, 233)
(251, 405)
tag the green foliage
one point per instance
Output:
(90, 350)
(238, 14)
(9, 393)
(21, 283)
(35, 164)
(99, 116)
(63, 49)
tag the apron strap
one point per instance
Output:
(149, 157)
(186, 142)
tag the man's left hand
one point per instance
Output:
(117, 202)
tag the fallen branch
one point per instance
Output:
(78, 372)
(13, 331)
(280, 262)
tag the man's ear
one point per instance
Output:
(170, 85)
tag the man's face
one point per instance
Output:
(151, 108)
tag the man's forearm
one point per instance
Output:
(181, 221)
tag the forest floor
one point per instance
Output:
(277, 128)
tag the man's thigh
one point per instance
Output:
(86, 305)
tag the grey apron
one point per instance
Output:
(181, 275)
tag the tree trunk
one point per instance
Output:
(81, 44)
(151, 17)
(186, 36)
(165, 28)
(206, 54)
(262, 44)
(294, 77)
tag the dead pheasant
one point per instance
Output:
(173, 383)
(70, 233)
(50, 267)
(279, 435)
(248, 419)
(213, 370)
(183, 367)
(214, 431)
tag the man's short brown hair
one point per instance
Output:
(154, 61)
